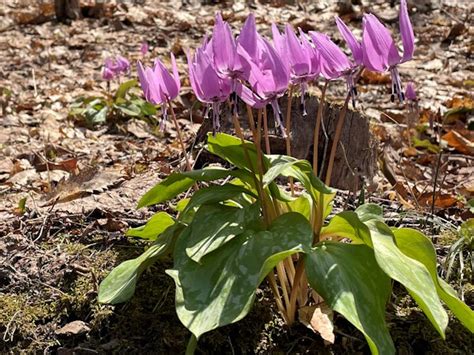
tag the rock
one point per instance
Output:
(76, 327)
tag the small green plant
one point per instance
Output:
(98, 110)
(229, 237)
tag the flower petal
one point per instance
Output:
(406, 32)
(378, 47)
(249, 97)
(223, 45)
(335, 61)
(354, 45)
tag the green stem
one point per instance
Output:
(192, 345)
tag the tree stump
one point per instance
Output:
(356, 152)
(67, 10)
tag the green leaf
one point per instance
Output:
(221, 290)
(278, 164)
(369, 211)
(176, 183)
(119, 285)
(215, 225)
(417, 246)
(301, 170)
(124, 88)
(213, 194)
(348, 225)
(97, 117)
(302, 205)
(156, 225)
(128, 109)
(409, 272)
(350, 281)
(230, 148)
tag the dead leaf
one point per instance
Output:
(87, 182)
(319, 319)
(369, 77)
(441, 201)
(458, 142)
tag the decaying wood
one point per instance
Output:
(356, 155)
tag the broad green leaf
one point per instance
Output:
(215, 225)
(301, 170)
(156, 225)
(176, 183)
(369, 211)
(214, 194)
(119, 285)
(348, 225)
(124, 88)
(350, 281)
(230, 148)
(98, 116)
(417, 246)
(221, 289)
(278, 164)
(302, 205)
(409, 272)
(128, 109)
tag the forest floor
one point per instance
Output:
(69, 189)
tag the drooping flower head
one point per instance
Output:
(334, 62)
(114, 67)
(144, 48)
(379, 50)
(267, 75)
(209, 87)
(410, 93)
(224, 48)
(298, 56)
(159, 86)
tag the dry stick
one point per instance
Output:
(180, 137)
(288, 130)
(319, 116)
(265, 132)
(294, 291)
(335, 142)
(436, 173)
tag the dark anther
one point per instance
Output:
(392, 98)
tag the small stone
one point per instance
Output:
(76, 327)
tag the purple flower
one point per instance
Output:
(298, 56)
(144, 48)
(334, 63)
(115, 67)
(354, 45)
(107, 74)
(268, 77)
(379, 50)
(410, 93)
(224, 48)
(208, 86)
(123, 65)
(158, 85)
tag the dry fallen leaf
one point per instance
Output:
(459, 142)
(87, 182)
(319, 319)
(76, 327)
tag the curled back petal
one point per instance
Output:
(406, 32)
(354, 45)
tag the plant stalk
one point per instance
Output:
(337, 137)
(319, 116)
(265, 132)
(180, 137)
(288, 130)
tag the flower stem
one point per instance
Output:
(319, 116)
(288, 130)
(180, 137)
(265, 132)
(337, 137)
